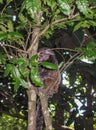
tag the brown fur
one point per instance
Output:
(51, 78)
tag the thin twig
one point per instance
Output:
(6, 51)
(6, 45)
(67, 49)
(29, 34)
(70, 61)
(5, 7)
(4, 24)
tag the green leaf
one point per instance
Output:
(8, 69)
(25, 74)
(16, 35)
(34, 58)
(23, 70)
(1, 1)
(21, 61)
(3, 36)
(24, 83)
(22, 18)
(35, 77)
(22, 65)
(5, 18)
(12, 60)
(91, 45)
(3, 28)
(16, 83)
(10, 36)
(8, 1)
(83, 24)
(49, 65)
(32, 7)
(50, 3)
(82, 5)
(10, 26)
(15, 73)
(64, 7)
(3, 58)
(33, 61)
(90, 51)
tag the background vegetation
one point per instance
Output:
(68, 28)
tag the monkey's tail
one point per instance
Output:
(39, 116)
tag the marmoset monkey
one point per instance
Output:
(51, 78)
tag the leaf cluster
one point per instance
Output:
(90, 51)
(12, 123)
(56, 14)
(20, 70)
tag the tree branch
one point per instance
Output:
(32, 50)
(58, 21)
(19, 50)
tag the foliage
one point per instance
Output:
(11, 123)
(18, 70)
(90, 51)
(19, 64)
(71, 104)
(11, 32)
(53, 14)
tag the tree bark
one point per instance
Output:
(34, 43)
(31, 109)
(32, 50)
(44, 103)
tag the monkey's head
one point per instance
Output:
(44, 54)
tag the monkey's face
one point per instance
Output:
(44, 55)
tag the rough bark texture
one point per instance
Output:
(32, 50)
(50, 84)
(31, 109)
(44, 103)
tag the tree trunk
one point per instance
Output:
(44, 103)
(31, 109)
(32, 50)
